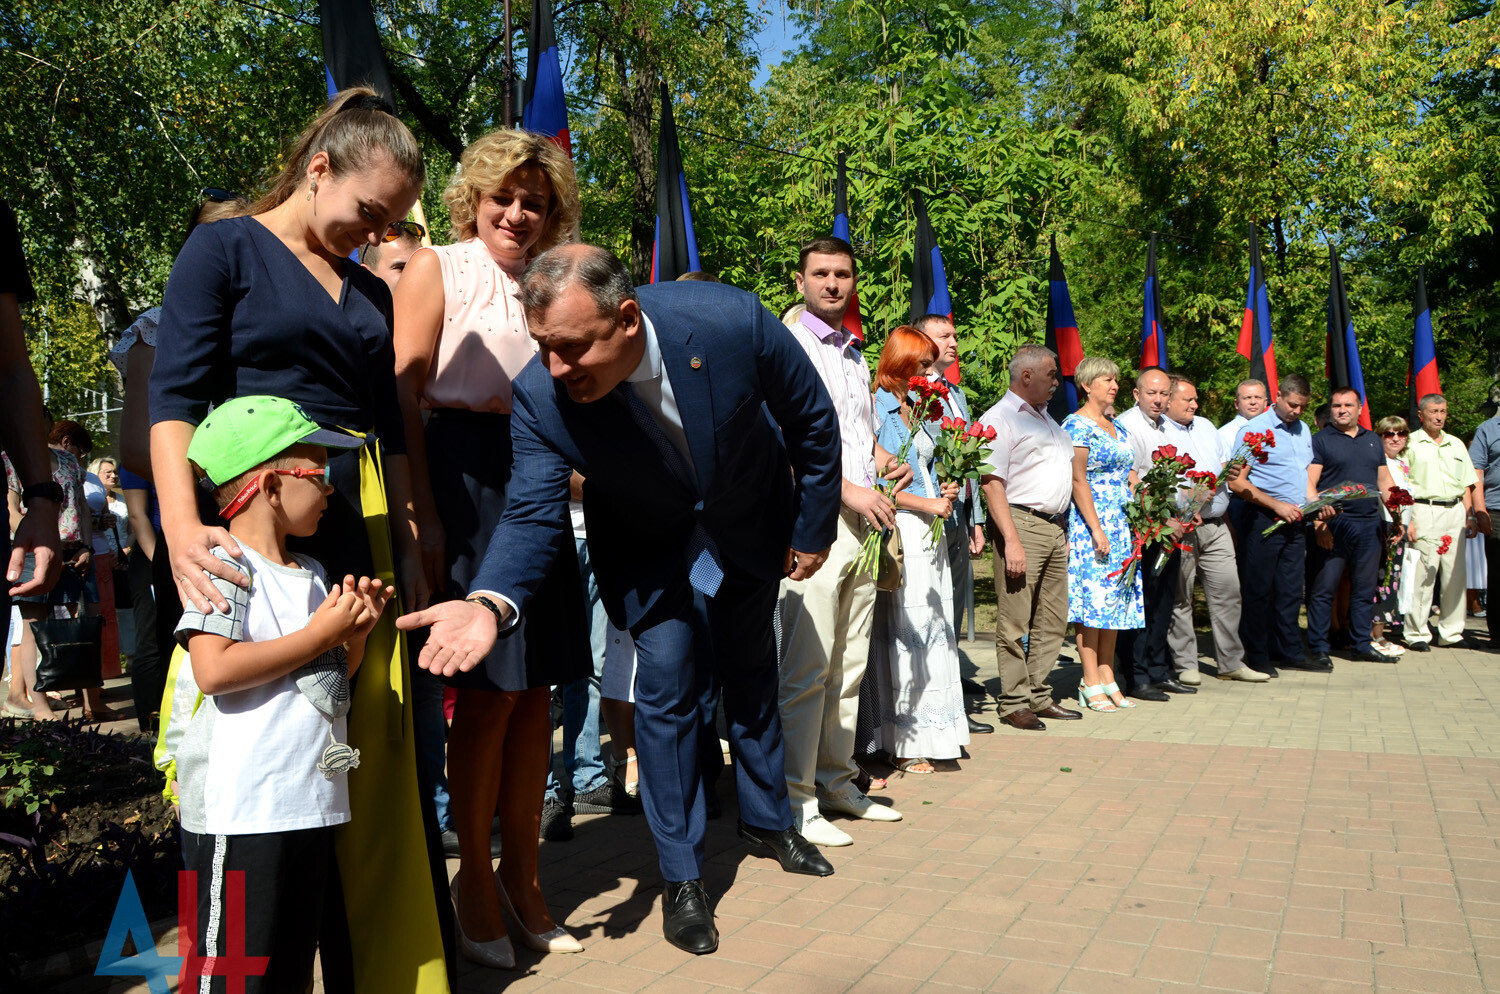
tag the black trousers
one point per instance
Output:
(1355, 553)
(1142, 655)
(262, 896)
(148, 666)
(1271, 578)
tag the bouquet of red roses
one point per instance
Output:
(1203, 484)
(959, 457)
(1153, 512)
(926, 404)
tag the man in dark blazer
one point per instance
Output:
(710, 455)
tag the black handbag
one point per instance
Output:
(68, 653)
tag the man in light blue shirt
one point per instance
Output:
(1272, 566)
(1484, 453)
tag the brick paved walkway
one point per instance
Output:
(1315, 834)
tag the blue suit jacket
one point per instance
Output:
(731, 364)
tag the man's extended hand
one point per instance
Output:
(801, 565)
(874, 506)
(462, 635)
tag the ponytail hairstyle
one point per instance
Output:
(356, 128)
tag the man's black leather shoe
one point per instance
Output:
(1173, 686)
(687, 920)
(1374, 655)
(795, 853)
(1419, 647)
(979, 727)
(1320, 663)
(1149, 692)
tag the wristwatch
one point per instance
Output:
(51, 490)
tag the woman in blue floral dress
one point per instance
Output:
(1099, 537)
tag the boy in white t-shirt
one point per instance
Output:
(262, 764)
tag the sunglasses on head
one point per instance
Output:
(399, 229)
(1394, 434)
(216, 195)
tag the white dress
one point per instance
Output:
(913, 652)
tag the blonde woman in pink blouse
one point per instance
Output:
(461, 338)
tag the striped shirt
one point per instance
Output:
(847, 379)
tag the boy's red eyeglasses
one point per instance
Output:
(253, 487)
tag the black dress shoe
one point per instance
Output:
(787, 846)
(1320, 663)
(1419, 646)
(687, 920)
(1174, 686)
(1374, 655)
(1149, 692)
(979, 727)
(1059, 713)
(1266, 668)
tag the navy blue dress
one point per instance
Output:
(242, 315)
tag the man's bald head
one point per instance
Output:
(600, 274)
(1153, 388)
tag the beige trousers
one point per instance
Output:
(825, 643)
(1432, 524)
(1036, 605)
(1209, 557)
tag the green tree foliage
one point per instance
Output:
(1374, 128)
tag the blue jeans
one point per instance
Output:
(430, 728)
(583, 756)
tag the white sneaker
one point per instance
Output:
(822, 832)
(1190, 678)
(1245, 675)
(851, 802)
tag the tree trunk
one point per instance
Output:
(639, 92)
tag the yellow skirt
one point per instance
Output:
(382, 850)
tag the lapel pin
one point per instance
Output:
(695, 362)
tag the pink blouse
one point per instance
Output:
(483, 343)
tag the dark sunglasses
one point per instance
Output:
(410, 229)
(216, 195)
(1394, 434)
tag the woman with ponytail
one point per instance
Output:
(271, 303)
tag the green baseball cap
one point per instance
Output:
(242, 433)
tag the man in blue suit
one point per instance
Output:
(710, 455)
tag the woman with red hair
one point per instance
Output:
(914, 655)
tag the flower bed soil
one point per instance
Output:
(63, 866)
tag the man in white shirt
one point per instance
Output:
(1029, 494)
(825, 620)
(1250, 398)
(1142, 660)
(1210, 552)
